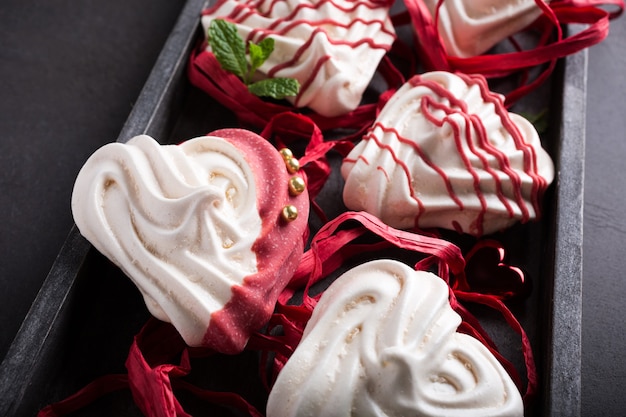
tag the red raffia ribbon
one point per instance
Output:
(151, 369)
(337, 242)
(551, 45)
(157, 361)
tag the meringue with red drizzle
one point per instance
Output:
(471, 27)
(382, 341)
(444, 152)
(331, 47)
(197, 227)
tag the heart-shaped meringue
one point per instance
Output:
(331, 47)
(382, 341)
(197, 227)
(471, 27)
(445, 152)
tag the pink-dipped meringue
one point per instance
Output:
(198, 227)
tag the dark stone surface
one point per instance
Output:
(69, 74)
(604, 256)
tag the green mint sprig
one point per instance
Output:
(230, 51)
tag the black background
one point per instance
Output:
(70, 71)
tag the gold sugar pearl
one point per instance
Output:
(286, 154)
(293, 165)
(296, 186)
(290, 213)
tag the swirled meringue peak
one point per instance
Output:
(444, 152)
(197, 227)
(332, 47)
(382, 341)
(471, 27)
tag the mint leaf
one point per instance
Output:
(259, 52)
(277, 88)
(230, 51)
(228, 47)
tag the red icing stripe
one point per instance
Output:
(398, 160)
(305, 86)
(539, 184)
(270, 30)
(384, 171)
(482, 139)
(241, 12)
(315, 6)
(530, 157)
(474, 129)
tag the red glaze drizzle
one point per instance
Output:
(481, 148)
(243, 11)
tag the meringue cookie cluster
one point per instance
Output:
(382, 341)
(444, 152)
(331, 47)
(196, 228)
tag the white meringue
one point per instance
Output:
(331, 47)
(471, 27)
(190, 226)
(444, 152)
(382, 341)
